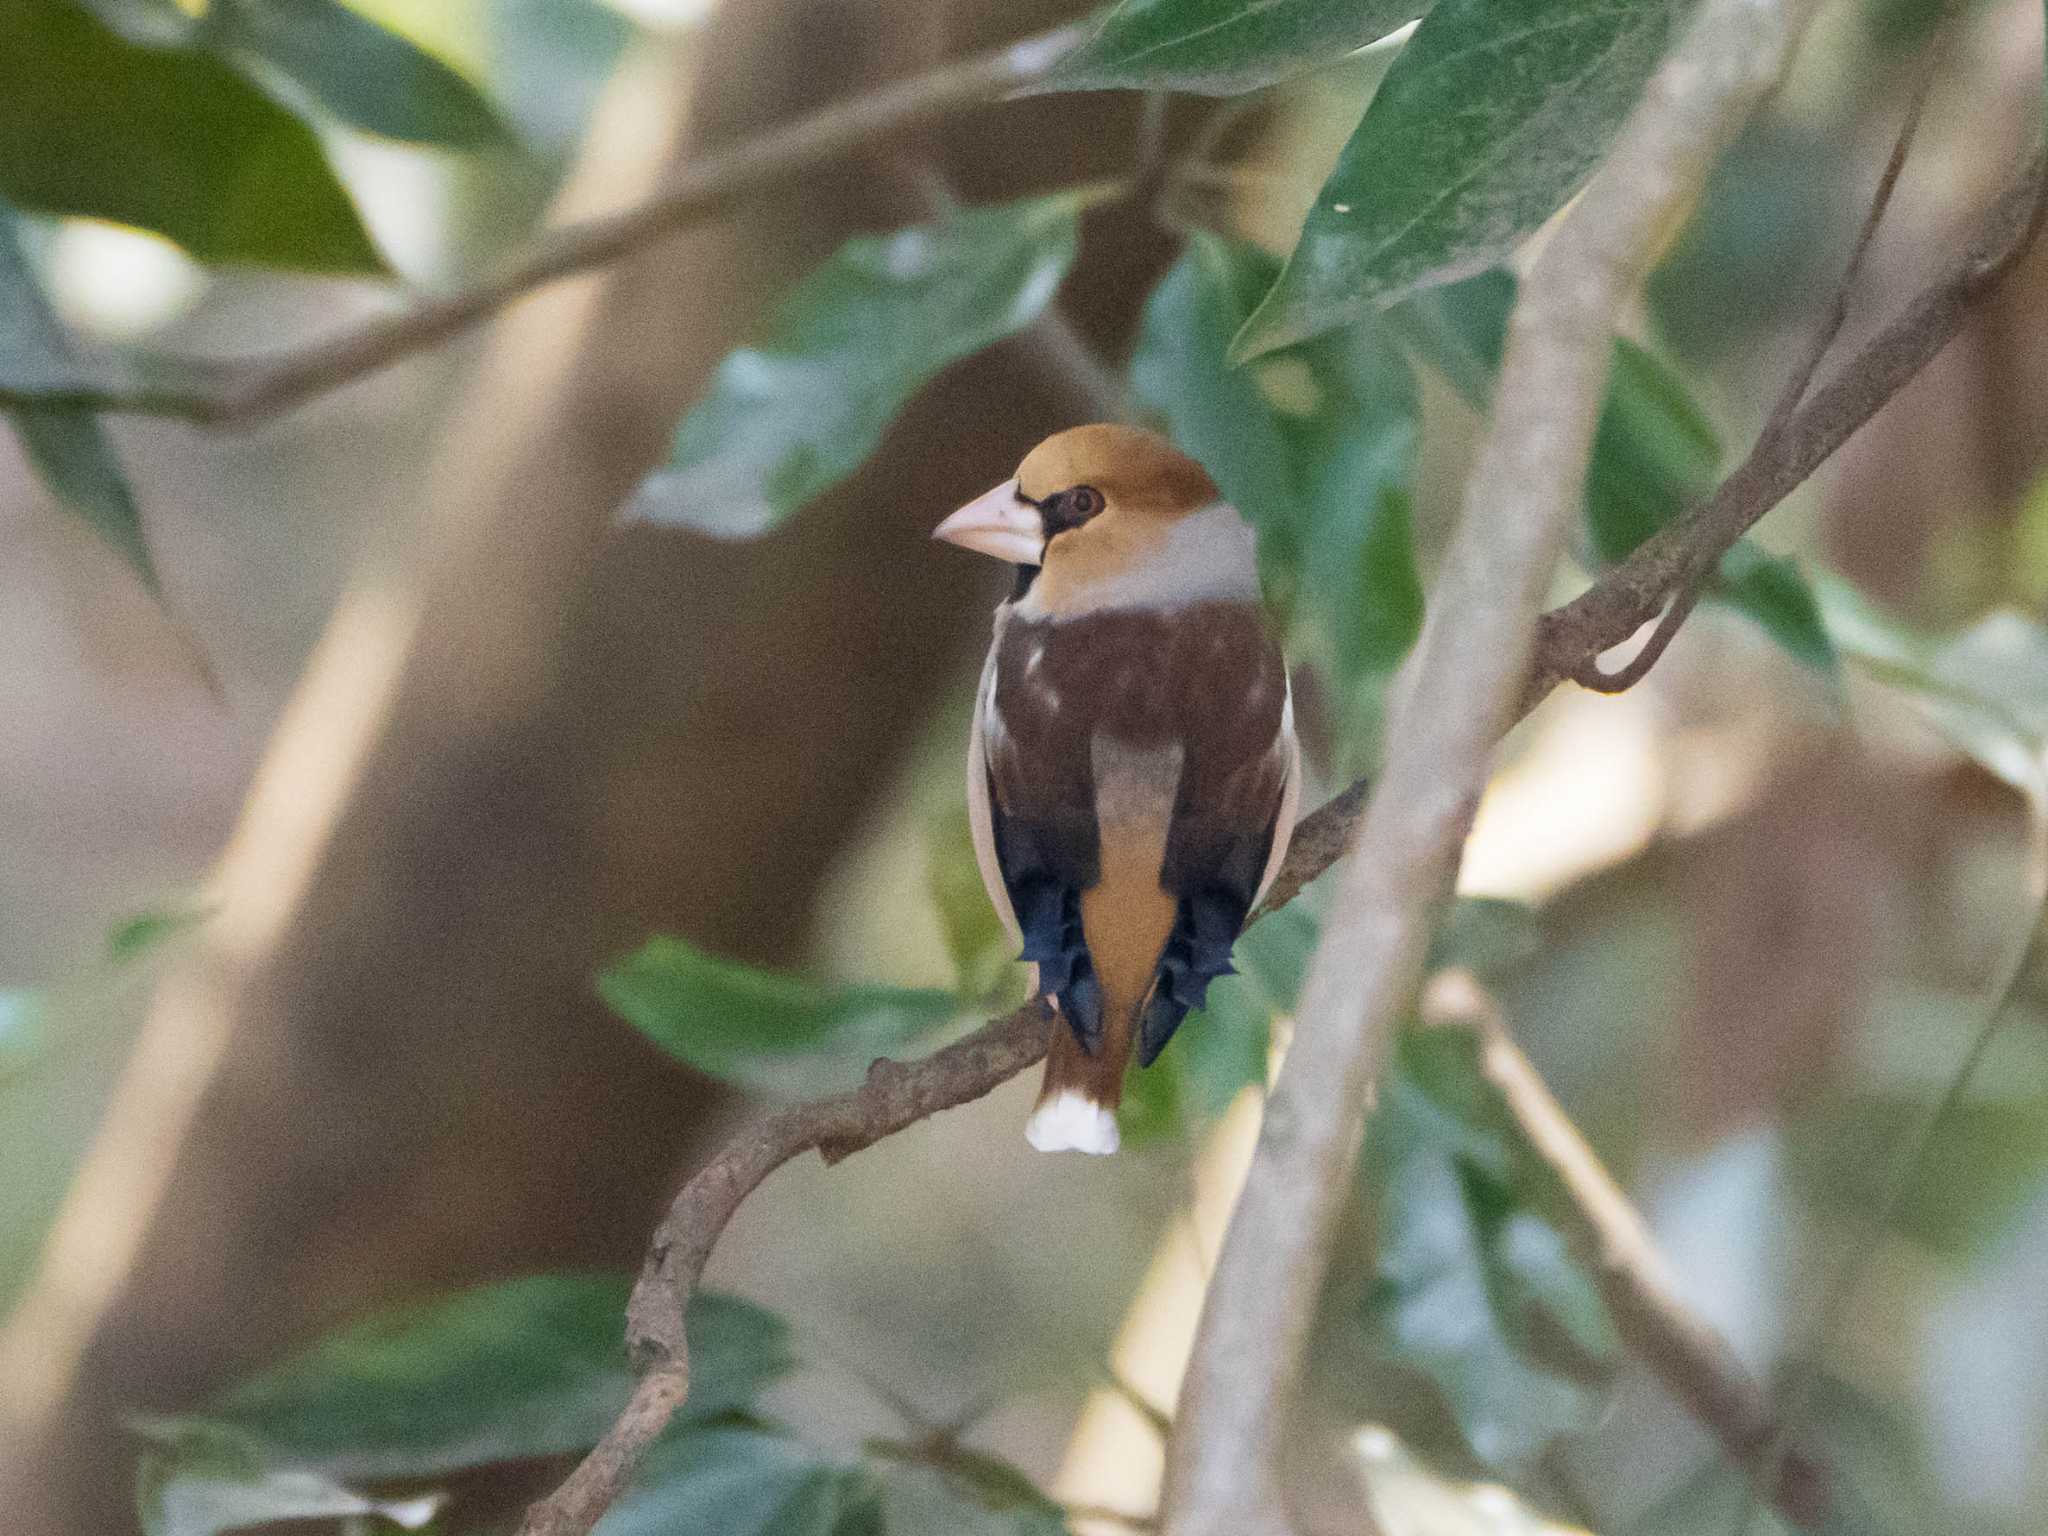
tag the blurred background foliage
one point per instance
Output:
(366, 1267)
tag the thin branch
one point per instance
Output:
(1589, 673)
(219, 393)
(1642, 1293)
(1522, 497)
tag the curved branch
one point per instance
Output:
(894, 1096)
(237, 393)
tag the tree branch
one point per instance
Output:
(1642, 1294)
(1471, 665)
(1678, 557)
(221, 393)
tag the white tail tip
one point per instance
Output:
(1067, 1122)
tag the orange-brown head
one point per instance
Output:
(1095, 509)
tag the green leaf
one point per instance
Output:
(68, 447)
(976, 941)
(742, 1481)
(368, 77)
(1315, 446)
(207, 1482)
(21, 1030)
(505, 1372)
(1491, 118)
(1775, 593)
(1223, 1048)
(92, 123)
(1469, 1263)
(949, 1490)
(760, 1028)
(792, 415)
(1985, 688)
(1655, 455)
(1223, 47)
(135, 936)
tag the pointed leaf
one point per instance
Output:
(1315, 447)
(1223, 47)
(207, 1482)
(744, 1482)
(761, 1028)
(368, 77)
(791, 416)
(68, 447)
(172, 140)
(1491, 118)
(505, 1372)
(1468, 1260)
(950, 1490)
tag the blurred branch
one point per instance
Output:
(235, 393)
(1642, 1294)
(1523, 494)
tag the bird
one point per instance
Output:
(1132, 771)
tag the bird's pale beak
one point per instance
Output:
(1001, 523)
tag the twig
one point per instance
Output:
(1589, 673)
(1522, 496)
(1642, 1294)
(219, 393)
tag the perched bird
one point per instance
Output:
(1133, 775)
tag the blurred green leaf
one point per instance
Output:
(206, 1482)
(948, 1490)
(791, 416)
(1468, 1262)
(761, 1028)
(368, 77)
(1488, 121)
(1655, 454)
(1981, 1165)
(21, 1031)
(1223, 47)
(980, 949)
(68, 447)
(742, 1481)
(135, 936)
(1774, 591)
(1985, 687)
(1408, 1499)
(174, 141)
(1315, 446)
(1223, 1048)
(505, 1372)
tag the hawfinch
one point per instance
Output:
(1133, 775)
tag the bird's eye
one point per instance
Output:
(1084, 501)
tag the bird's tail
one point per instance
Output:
(1077, 1105)
(1126, 919)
